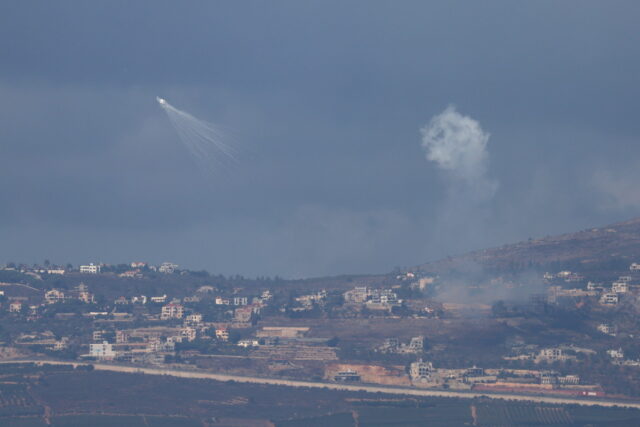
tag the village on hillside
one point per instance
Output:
(397, 332)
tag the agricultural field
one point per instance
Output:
(15, 400)
(101, 421)
(67, 397)
(496, 414)
(344, 419)
(23, 422)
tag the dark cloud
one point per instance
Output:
(326, 101)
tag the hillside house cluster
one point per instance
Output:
(372, 298)
(307, 301)
(607, 296)
(393, 345)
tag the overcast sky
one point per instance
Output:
(326, 102)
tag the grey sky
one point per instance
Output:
(326, 101)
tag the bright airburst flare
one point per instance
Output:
(205, 141)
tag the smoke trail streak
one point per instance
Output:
(203, 140)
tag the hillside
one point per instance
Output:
(609, 248)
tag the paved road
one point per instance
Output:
(333, 386)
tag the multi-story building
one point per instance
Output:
(222, 334)
(188, 333)
(193, 319)
(122, 337)
(53, 296)
(103, 351)
(91, 268)
(550, 355)
(98, 335)
(417, 344)
(421, 371)
(240, 300)
(609, 298)
(620, 287)
(172, 311)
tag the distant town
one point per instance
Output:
(394, 330)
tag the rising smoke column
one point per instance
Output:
(204, 141)
(457, 145)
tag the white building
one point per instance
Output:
(53, 296)
(167, 267)
(103, 351)
(193, 319)
(90, 269)
(616, 354)
(122, 336)
(593, 286)
(188, 333)
(607, 329)
(421, 370)
(634, 267)
(609, 299)
(161, 299)
(550, 355)
(222, 301)
(222, 334)
(620, 287)
(172, 311)
(240, 300)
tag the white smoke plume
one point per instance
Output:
(203, 140)
(458, 145)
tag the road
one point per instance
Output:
(333, 386)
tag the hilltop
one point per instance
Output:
(606, 249)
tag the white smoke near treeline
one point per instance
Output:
(204, 141)
(457, 144)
